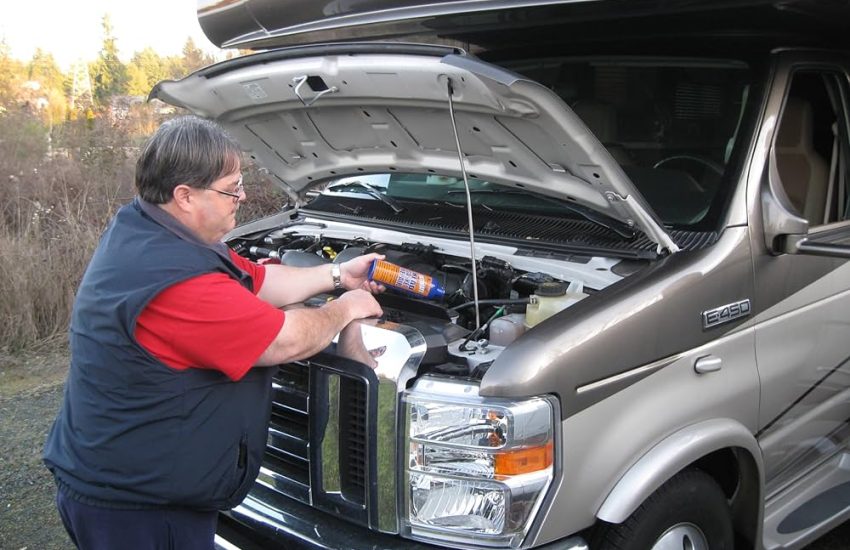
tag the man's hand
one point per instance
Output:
(361, 304)
(308, 330)
(354, 273)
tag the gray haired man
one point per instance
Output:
(164, 417)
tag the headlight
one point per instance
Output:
(477, 469)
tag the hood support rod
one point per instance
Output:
(468, 208)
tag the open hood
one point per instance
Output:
(312, 113)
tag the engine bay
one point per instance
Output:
(516, 289)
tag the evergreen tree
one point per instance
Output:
(43, 68)
(138, 80)
(194, 58)
(145, 70)
(108, 73)
(175, 67)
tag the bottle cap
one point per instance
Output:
(551, 289)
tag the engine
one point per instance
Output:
(459, 339)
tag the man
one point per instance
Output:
(164, 419)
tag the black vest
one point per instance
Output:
(132, 432)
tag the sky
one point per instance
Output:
(71, 29)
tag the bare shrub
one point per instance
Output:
(56, 207)
(263, 197)
(58, 198)
(23, 142)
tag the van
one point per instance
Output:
(638, 215)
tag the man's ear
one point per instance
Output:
(182, 195)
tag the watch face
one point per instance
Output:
(336, 274)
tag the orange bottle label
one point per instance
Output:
(406, 280)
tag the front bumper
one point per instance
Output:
(266, 519)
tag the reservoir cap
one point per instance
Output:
(551, 289)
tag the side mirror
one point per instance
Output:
(786, 232)
(780, 220)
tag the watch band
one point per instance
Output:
(336, 274)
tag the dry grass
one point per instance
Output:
(56, 203)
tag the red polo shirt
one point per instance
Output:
(210, 322)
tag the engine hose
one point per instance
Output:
(492, 301)
(480, 330)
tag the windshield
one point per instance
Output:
(671, 124)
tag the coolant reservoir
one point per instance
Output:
(550, 299)
(504, 330)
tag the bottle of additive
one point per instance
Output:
(407, 281)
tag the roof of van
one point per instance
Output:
(483, 24)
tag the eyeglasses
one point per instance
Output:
(236, 193)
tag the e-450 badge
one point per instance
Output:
(725, 314)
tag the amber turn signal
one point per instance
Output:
(524, 461)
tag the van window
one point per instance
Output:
(811, 147)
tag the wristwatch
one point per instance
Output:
(336, 273)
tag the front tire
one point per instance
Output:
(689, 512)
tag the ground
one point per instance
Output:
(30, 393)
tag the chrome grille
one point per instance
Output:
(318, 444)
(333, 433)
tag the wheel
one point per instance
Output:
(689, 512)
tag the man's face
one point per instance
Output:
(217, 206)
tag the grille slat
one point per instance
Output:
(289, 422)
(294, 376)
(287, 466)
(286, 443)
(290, 399)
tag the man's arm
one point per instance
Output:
(285, 285)
(307, 331)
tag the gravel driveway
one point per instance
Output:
(30, 393)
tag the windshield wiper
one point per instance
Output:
(589, 214)
(372, 191)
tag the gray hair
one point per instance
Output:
(184, 150)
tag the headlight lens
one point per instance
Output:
(477, 469)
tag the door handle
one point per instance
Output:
(707, 364)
